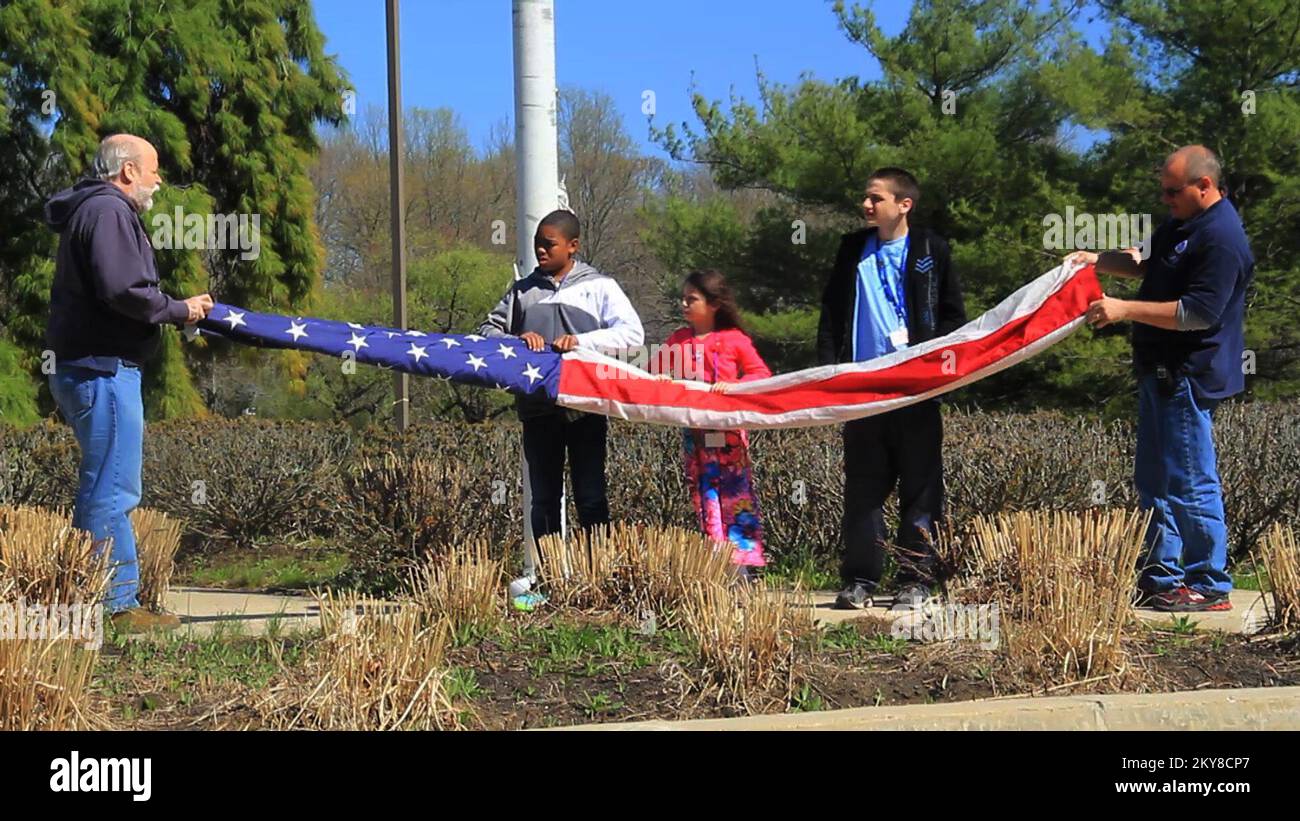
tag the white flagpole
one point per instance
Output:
(537, 168)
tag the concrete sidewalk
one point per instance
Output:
(1260, 708)
(203, 611)
(1248, 613)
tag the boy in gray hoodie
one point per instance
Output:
(565, 304)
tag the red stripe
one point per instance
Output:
(911, 378)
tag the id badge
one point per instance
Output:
(715, 439)
(898, 337)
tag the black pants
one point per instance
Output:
(546, 441)
(903, 448)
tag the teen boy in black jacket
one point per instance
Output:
(892, 286)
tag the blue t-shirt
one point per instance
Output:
(880, 307)
(1205, 263)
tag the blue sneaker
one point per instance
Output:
(528, 602)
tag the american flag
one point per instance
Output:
(1035, 317)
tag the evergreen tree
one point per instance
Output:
(228, 91)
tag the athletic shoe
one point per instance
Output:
(1186, 600)
(528, 602)
(854, 597)
(912, 597)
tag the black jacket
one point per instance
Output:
(930, 289)
(104, 304)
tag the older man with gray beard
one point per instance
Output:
(105, 309)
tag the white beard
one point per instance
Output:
(144, 199)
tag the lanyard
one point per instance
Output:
(896, 302)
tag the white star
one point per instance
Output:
(474, 338)
(391, 334)
(416, 351)
(235, 318)
(191, 332)
(532, 373)
(354, 326)
(357, 341)
(415, 333)
(296, 330)
(506, 351)
(449, 342)
(476, 363)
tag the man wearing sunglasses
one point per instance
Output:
(1188, 346)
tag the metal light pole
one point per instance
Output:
(397, 208)
(537, 166)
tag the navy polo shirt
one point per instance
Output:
(1205, 263)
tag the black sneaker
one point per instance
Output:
(854, 597)
(912, 597)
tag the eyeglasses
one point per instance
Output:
(1176, 190)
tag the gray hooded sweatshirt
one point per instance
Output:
(585, 303)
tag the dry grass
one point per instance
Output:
(157, 538)
(1280, 551)
(45, 684)
(747, 639)
(746, 636)
(45, 559)
(462, 586)
(1064, 583)
(632, 569)
(45, 681)
(372, 671)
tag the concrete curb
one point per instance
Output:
(1260, 708)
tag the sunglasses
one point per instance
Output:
(1178, 189)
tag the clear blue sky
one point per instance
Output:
(457, 53)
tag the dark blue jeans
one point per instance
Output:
(1178, 480)
(547, 441)
(902, 448)
(107, 415)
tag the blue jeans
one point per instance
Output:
(1178, 480)
(107, 414)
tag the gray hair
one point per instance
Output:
(114, 152)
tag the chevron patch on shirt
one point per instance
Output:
(925, 264)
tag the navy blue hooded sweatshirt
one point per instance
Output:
(105, 305)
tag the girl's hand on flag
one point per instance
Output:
(720, 387)
(565, 343)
